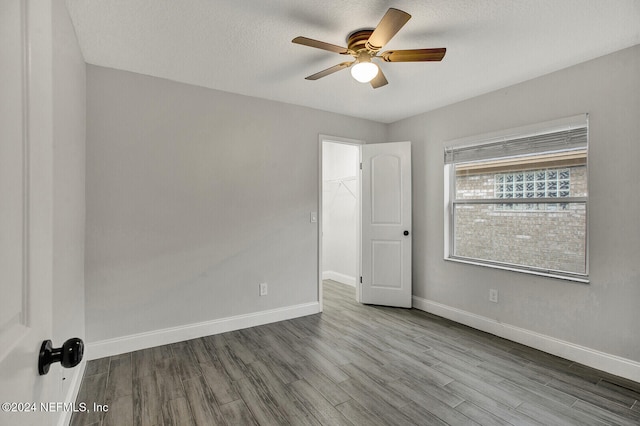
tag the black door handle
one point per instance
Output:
(406, 233)
(69, 355)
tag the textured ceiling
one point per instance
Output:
(244, 46)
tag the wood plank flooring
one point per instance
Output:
(353, 365)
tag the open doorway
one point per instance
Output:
(365, 219)
(340, 211)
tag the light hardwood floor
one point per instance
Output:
(353, 365)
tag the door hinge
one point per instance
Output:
(360, 166)
(360, 280)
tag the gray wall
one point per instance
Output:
(602, 315)
(69, 93)
(194, 197)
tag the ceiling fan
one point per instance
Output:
(364, 46)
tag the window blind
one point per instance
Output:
(570, 138)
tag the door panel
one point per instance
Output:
(386, 215)
(386, 190)
(387, 258)
(25, 209)
(11, 172)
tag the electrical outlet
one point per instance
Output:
(263, 289)
(493, 295)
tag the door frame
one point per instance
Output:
(346, 141)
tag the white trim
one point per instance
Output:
(72, 393)
(593, 358)
(341, 278)
(448, 214)
(134, 342)
(584, 279)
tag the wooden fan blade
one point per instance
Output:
(328, 71)
(413, 55)
(389, 25)
(379, 80)
(320, 45)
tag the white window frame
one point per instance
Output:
(450, 200)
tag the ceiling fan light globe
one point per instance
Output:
(364, 72)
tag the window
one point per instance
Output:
(519, 202)
(533, 184)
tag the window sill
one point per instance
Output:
(580, 279)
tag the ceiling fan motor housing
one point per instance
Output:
(357, 40)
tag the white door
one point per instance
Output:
(386, 224)
(25, 210)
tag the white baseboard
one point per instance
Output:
(72, 392)
(166, 336)
(593, 358)
(341, 278)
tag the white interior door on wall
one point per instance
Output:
(25, 215)
(386, 224)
